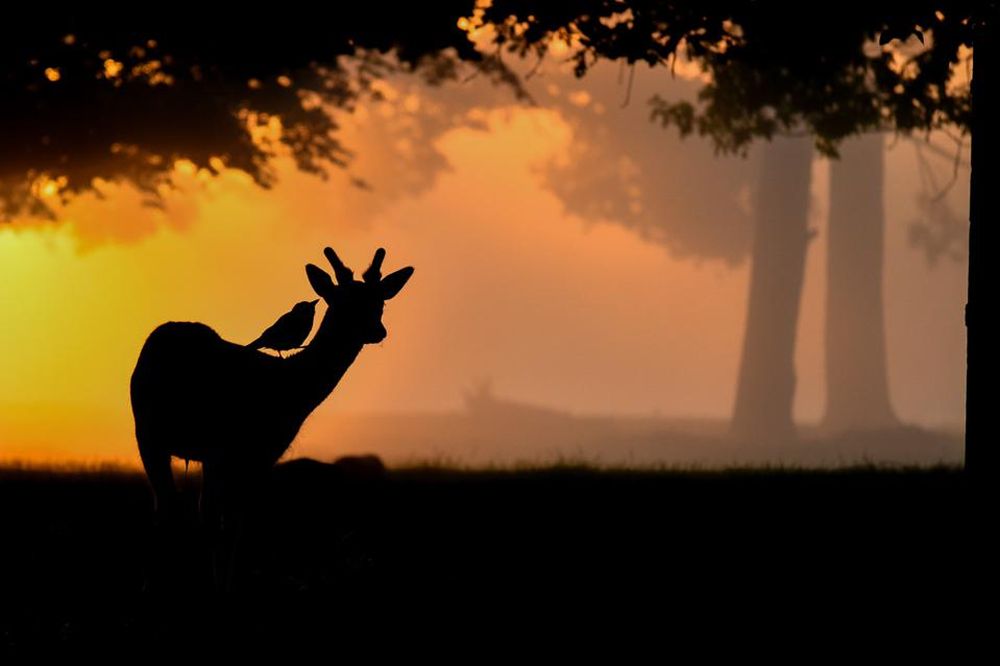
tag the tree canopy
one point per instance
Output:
(120, 97)
(116, 96)
(827, 70)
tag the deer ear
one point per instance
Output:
(320, 280)
(393, 282)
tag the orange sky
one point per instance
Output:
(586, 317)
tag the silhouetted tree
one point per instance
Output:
(857, 383)
(765, 389)
(857, 380)
(696, 204)
(777, 68)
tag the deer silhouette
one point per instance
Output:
(237, 410)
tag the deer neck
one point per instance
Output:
(318, 368)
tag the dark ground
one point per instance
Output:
(503, 557)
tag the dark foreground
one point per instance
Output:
(427, 559)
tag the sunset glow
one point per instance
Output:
(493, 320)
(589, 318)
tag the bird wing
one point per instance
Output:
(273, 334)
(303, 326)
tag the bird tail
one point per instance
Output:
(256, 344)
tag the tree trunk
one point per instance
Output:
(766, 387)
(982, 325)
(857, 386)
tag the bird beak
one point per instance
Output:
(313, 303)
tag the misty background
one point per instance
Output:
(581, 287)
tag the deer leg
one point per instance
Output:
(162, 539)
(223, 512)
(212, 510)
(232, 533)
(230, 493)
(244, 485)
(156, 462)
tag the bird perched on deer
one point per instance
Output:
(237, 410)
(291, 329)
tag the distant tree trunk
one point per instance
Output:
(857, 385)
(982, 449)
(766, 387)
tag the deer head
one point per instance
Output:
(357, 305)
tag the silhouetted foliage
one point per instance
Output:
(92, 95)
(774, 68)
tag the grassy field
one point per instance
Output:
(500, 553)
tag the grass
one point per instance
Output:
(436, 548)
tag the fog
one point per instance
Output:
(588, 266)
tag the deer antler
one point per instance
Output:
(344, 274)
(374, 272)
